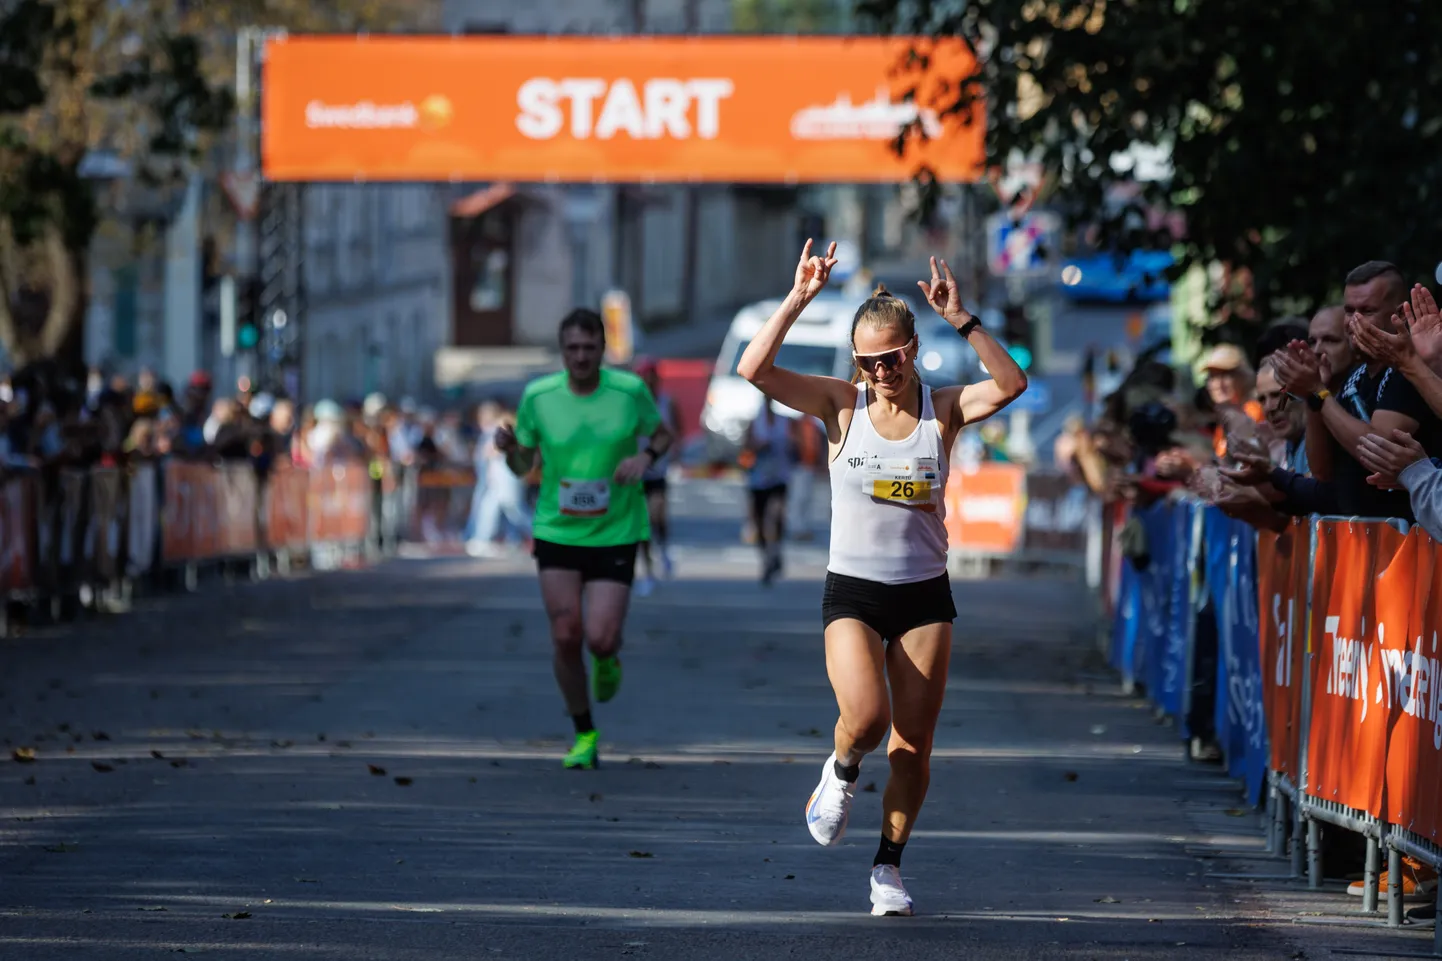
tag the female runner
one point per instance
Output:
(887, 606)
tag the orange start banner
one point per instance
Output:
(628, 109)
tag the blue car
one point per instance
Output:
(1140, 276)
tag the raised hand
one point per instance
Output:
(1425, 322)
(504, 439)
(1301, 372)
(944, 296)
(1394, 350)
(813, 272)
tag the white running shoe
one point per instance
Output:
(888, 894)
(829, 806)
(644, 586)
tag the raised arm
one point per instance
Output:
(819, 396)
(978, 401)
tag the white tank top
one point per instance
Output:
(888, 512)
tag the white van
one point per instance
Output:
(818, 343)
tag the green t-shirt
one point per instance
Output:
(581, 439)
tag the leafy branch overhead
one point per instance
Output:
(98, 97)
(1304, 136)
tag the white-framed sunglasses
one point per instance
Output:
(887, 360)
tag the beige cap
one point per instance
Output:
(1225, 357)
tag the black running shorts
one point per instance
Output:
(653, 485)
(888, 609)
(592, 563)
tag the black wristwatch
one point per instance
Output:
(965, 329)
(654, 455)
(1315, 401)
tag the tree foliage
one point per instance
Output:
(1304, 135)
(143, 83)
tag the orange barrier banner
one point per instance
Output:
(1347, 738)
(17, 535)
(1282, 575)
(338, 509)
(1409, 606)
(238, 505)
(985, 508)
(286, 493)
(189, 512)
(582, 109)
(686, 381)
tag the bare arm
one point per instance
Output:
(1319, 451)
(819, 396)
(1349, 431)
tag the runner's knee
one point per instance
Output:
(566, 634)
(868, 727)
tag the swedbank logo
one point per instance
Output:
(433, 113)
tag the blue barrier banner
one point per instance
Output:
(1157, 521)
(1231, 569)
(1170, 691)
(1125, 627)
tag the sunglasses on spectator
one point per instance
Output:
(887, 360)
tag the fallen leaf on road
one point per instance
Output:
(870, 788)
(195, 735)
(342, 743)
(180, 762)
(30, 779)
(812, 732)
(1070, 775)
(595, 798)
(23, 755)
(1236, 813)
(63, 727)
(403, 781)
(281, 743)
(62, 848)
(652, 765)
(320, 737)
(1107, 900)
(237, 916)
(790, 877)
(642, 854)
(102, 767)
(156, 908)
(377, 770)
(157, 755)
(307, 880)
(100, 736)
(70, 749)
(472, 780)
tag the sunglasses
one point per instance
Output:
(887, 360)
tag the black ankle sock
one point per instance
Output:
(847, 774)
(583, 723)
(888, 853)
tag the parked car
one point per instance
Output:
(1118, 278)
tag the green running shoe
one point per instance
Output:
(583, 753)
(605, 677)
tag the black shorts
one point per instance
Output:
(653, 485)
(888, 609)
(760, 498)
(592, 563)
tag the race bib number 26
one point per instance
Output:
(909, 482)
(584, 498)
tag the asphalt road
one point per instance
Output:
(365, 765)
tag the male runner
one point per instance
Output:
(591, 513)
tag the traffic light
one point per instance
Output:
(1017, 332)
(247, 336)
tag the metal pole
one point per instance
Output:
(691, 263)
(1369, 876)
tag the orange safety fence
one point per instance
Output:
(1283, 571)
(339, 503)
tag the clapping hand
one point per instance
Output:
(1425, 323)
(944, 296)
(1255, 468)
(1301, 372)
(1388, 458)
(1394, 349)
(813, 272)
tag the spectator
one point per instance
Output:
(1375, 398)
(1230, 386)
(503, 498)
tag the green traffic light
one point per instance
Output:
(248, 336)
(1021, 355)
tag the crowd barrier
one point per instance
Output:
(1310, 657)
(1007, 513)
(90, 535)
